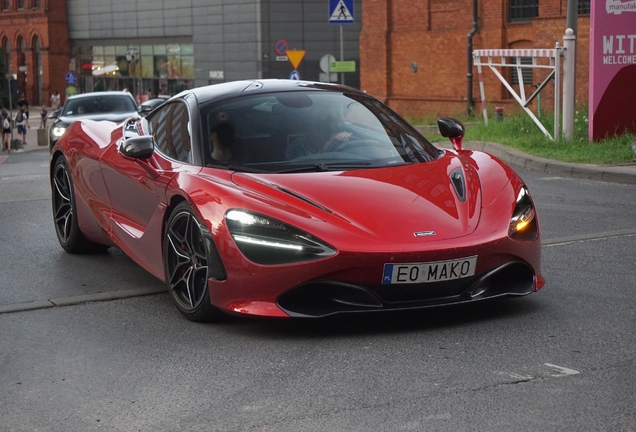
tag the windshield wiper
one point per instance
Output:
(240, 168)
(320, 167)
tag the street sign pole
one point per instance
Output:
(342, 79)
(341, 12)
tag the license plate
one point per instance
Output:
(439, 271)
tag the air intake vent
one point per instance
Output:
(457, 178)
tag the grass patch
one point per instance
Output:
(518, 131)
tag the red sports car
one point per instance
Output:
(295, 199)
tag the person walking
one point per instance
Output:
(5, 120)
(55, 100)
(21, 125)
(23, 104)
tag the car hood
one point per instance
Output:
(409, 202)
(113, 117)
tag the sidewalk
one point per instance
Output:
(625, 174)
(32, 134)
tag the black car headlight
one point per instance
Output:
(267, 241)
(523, 223)
(57, 131)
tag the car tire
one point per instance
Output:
(67, 229)
(186, 254)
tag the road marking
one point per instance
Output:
(79, 299)
(515, 376)
(560, 241)
(563, 370)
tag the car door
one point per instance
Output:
(137, 187)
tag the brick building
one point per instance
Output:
(413, 55)
(35, 35)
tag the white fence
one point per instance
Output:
(549, 59)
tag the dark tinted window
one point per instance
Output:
(99, 104)
(170, 126)
(523, 10)
(291, 130)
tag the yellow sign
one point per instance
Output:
(71, 91)
(295, 57)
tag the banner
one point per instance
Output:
(612, 91)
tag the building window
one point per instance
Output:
(7, 56)
(584, 7)
(5, 5)
(523, 10)
(20, 4)
(526, 73)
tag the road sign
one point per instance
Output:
(343, 66)
(294, 75)
(71, 78)
(325, 61)
(281, 46)
(341, 11)
(71, 90)
(295, 57)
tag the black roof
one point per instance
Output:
(234, 88)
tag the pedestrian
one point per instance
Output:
(55, 100)
(5, 118)
(149, 94)
(24, 104)
(44, 115)
(21, 125)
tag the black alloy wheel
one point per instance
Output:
(186, 247)
(65, 212)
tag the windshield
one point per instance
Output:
(310, 130)
(99, 104)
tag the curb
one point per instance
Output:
(625, 174)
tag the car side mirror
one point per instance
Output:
(144, 110)
(453, 130)
(138, 147)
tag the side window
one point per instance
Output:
(170, 128)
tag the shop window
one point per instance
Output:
(523, 10)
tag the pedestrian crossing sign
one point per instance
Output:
(341, 11)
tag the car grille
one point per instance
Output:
(327, 297)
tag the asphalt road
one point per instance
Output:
(560, 359)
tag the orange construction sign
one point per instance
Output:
(295, 57)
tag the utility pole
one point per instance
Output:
(571, 23)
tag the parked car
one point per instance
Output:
(282, 198)
(113, 106)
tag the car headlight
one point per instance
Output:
(523, 223)
(58, 131)
(269, 242)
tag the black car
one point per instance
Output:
(146, 107)
(114, 106)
